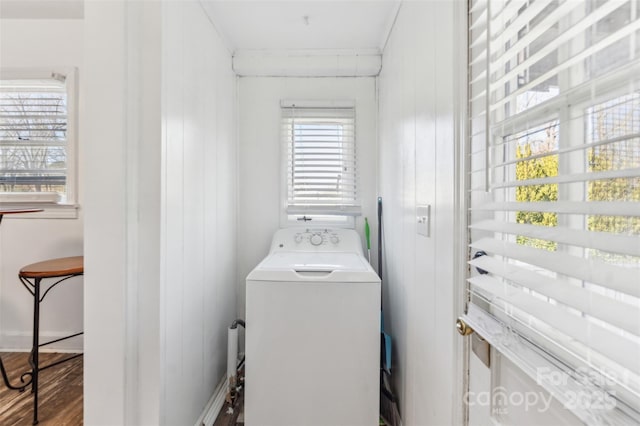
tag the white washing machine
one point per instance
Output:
(313, 332)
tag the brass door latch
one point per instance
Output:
(463, 328)
(479, 346)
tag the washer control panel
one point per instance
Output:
(316, 239)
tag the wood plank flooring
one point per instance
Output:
(233, 417)
(60, 392)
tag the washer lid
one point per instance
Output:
(314, 267)
(314, 262)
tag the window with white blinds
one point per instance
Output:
(34, 127)
(321, 160)
(554, 192)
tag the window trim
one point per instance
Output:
(67, 207)
(288, 219)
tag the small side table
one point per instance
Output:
(31, 277)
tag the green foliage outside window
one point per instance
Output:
(621, 189)
(535, 168)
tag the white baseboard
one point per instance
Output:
(215, 404)
(21, 342)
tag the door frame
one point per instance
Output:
(461, 244)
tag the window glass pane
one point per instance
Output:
(535, 150)
(321, 161)
(321, 164)
(548, 87)
(615, 54)
(614, 127)
(33, 133)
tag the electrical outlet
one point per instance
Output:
(423, 218)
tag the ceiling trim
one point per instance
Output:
(307, 63)
(391, 25)
(212, 21)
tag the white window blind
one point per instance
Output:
(33, 136)
(554, 193)
(321, 160)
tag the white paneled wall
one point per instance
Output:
(260, 183)
(418, 148)
(107, 251)
(199, 210)
(160, 211)
(40, 43)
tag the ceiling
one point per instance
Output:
(355, 25)
(319, 26)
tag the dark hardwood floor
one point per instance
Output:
(60, 392)
(233, 417)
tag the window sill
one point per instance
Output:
(50, 211)
(576, 388)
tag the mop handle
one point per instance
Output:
(367, 234)
(380, 237)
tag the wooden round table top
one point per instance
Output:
(59, 267)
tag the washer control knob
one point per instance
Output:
(297, 238)
(316, 239)
(335, 239)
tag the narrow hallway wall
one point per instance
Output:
(199, 211)
(417, 99)
(160, 253)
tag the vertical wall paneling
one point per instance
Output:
(418, 166)
(160, 195)
(143, 192)
(445, 197)
(212, 318)
(121, 189)
(104, 186)
(172, 208)
(199, 210)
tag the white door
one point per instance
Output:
(553, 166)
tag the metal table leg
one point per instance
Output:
(35, 350)
(7, 383)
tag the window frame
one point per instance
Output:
(332, 220)
(67, 206)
